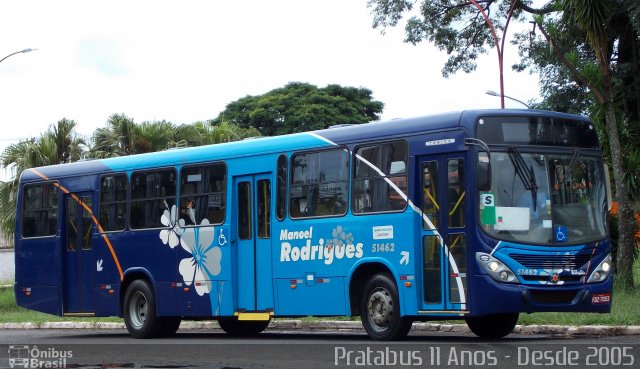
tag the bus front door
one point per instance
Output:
(444, 233)
(78, 255)
(254, 277)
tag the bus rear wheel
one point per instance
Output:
(493, 326)
(139, 311)
(380, 309)
(242, 328)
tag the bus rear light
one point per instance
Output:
(293, 286)
(186, 289)
(407, 284)
(407, 278)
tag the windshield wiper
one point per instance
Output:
(525, 174)
(572, 164)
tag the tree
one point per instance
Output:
(602, 59)
(300, 107)
(122, 136)
(118, 138)
(58, 145)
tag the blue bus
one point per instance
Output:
(477, 215)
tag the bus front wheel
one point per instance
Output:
(139, 311)
(492, 326)
(380, 309)
(242, 328)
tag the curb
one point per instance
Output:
(297, 325)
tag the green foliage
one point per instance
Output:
(122, 136)
(453, 26)
(300, 107)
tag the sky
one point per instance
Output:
(185, 60)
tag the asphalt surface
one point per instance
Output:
(339, 348)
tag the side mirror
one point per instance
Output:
(483, 172)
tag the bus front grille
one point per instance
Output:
(552, 261)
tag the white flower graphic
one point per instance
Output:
(171, 236)
(204, 263)
(340, 237)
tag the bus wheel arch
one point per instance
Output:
(374, 295)
(359, 278)
(139, 309)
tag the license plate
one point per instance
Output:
(601, 298)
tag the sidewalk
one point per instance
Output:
(338, 326)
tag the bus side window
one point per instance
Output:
(40, 210)
(319, 183)
(113, 202)
(281, 190)
(380, 178)
(152, 193)
(203, 194)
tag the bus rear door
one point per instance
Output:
(444, 233)
(78, 255)
(254, 277)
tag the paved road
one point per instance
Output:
(282, 349)
(7, 268)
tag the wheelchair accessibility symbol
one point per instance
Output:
(561, 233)
(222, 240)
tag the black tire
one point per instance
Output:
(139, 311)
(493, 326)
(242, 328)
(380, 309)
(168, 326)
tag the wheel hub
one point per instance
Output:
(138, 309)
(380, 307)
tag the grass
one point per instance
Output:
(625, 311)
(12, 313)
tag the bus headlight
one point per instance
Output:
(602, 271)
(495, 268)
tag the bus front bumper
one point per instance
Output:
(496, 298)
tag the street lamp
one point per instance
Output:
(499, 42)
(493, 93)
(18, 52)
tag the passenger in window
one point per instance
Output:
(189, 213)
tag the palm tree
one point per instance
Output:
(153, 136)
(118, 138)
(224, 132)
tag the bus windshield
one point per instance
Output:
(546, 199)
